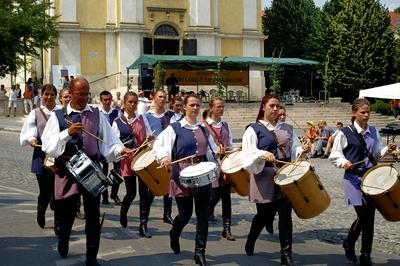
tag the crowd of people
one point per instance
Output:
(180, 139)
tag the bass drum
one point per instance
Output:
(301, 185)
(381, 184)
(146, 167)
(232, 166)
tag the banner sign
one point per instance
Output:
(205, 77)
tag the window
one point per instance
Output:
(166, 30)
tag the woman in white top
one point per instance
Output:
(31, 136)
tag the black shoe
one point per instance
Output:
(174, 242)
(116, 200)
(143, 230)
(123, 219)
(168, 219)
(79, 215)
(92, 262)
(62, 248)
(105, 201)
(286, 259)
(325, 156)
(40, 217)
(349, 251)
(226, 232)
(365, 259)
(249, 248)
(200, 259)
(315, 155)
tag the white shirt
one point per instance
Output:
(165, 141)
(143, 105)
(13, 95)
(218, 125)
(54, 141)
(176, 117)
(107, 114)
(252, 155)
(29, 130)
(340, 143)
(130, 122)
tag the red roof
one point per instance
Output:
(395, 19)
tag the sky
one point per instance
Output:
(391, 4)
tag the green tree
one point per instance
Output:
(26, 27)
(361, 48)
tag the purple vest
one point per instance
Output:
(38, 155)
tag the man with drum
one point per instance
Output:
(357, 148)
(264, 142)
(188, 137)
(68, 130)
(222, 135)
(158, 121)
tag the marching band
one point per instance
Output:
(178, 155)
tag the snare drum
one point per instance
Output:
(146, 167)
(301, 185)
(232, 166)
(88, 174)
(381, 184)
(199, 175)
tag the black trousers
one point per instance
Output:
(104, 169)
(46, 188)
(222, 193)
(266, 213)
(364, 224)
(146, 197)
(185, 210)
(67, 209)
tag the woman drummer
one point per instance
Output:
(356, 149)
(263, 142)
(222, 135)
(31, 135)
(133, 131)
(179, 140)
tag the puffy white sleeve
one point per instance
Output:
(164, 143)
(296, 147)
(116, 129)
(112, 145)
(230, 140)
(337, 156)
(251, 154)
(54, 141)
(379, 150)
(29, 130)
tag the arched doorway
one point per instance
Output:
(166, 40)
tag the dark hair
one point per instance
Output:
(105, 93)
(205, 114)
(130, 93)
(49, 86)
(264, 100)
(212, 103)
(175, 99)
(190, 96)
(339, 123)
(357, 105)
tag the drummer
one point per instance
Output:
(179, 140)
(31, 134)
(222, 135)
(62, 142)
(158, 121)
(133, 130)
(263, 142)
(358, 143)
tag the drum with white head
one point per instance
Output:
(199, 175)
(301, 185)
(381, 184)
(232, 166)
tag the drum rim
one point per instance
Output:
(209, 171)
(139, 159)
(276, 180)
(224, 160)
(373, 169)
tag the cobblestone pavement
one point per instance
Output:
(321, 235)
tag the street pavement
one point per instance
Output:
(317, 241)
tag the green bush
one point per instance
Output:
(381, 107)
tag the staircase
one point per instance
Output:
(239, 115)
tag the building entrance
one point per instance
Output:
(166, 47)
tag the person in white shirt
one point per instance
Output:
(143, 103)
(12, 100)
(31, 134)
(175, 113)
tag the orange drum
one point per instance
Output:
(381, 184)
(301, 185)
(146, 167)
(231, 165)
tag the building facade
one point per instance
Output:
(101, 38)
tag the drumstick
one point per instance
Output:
(126, 142)
(359, 162)
(38, 145)
(87, 132)
(180, 160)
(295, 162)
(136, 149)
(292, 163)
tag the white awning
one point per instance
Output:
(391, 91)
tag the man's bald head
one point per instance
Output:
(79, 89)
(78, 82)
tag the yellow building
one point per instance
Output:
(101, 38)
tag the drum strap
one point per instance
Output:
(363, 144)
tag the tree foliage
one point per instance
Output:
(25, 27)
(361, 48)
